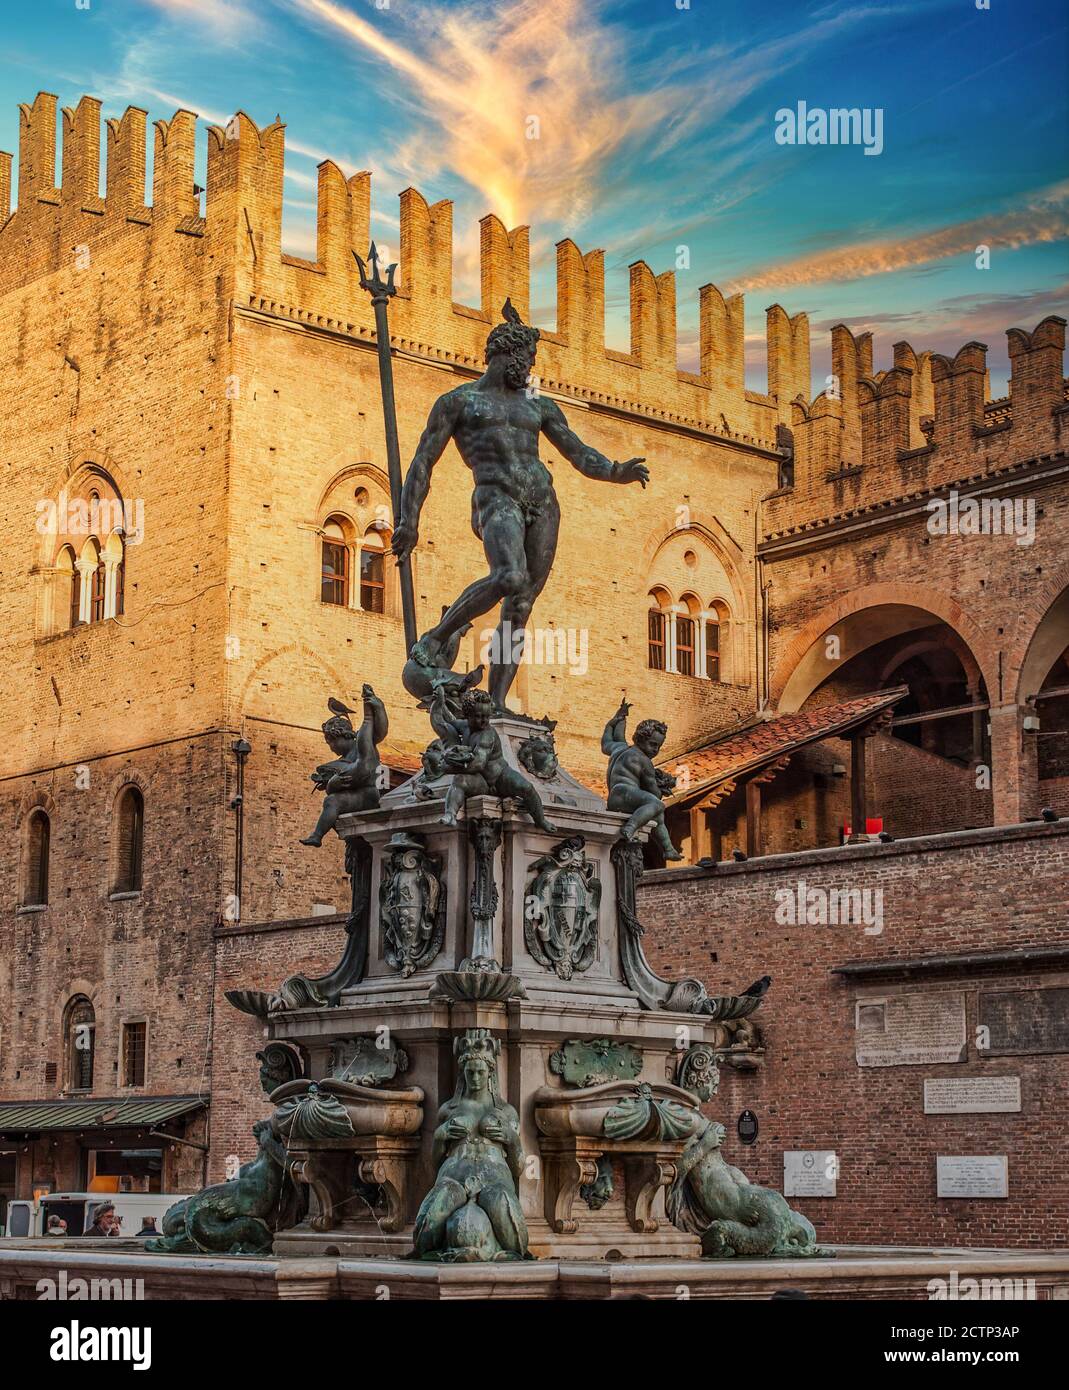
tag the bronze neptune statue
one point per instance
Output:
(495, 423)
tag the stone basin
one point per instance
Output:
(617, 1109)
(372, 1110)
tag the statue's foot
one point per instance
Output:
(628, 833)
(449, 818)
(674, 854)
(548, 827)
(314, 840)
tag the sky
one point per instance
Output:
(647, 128)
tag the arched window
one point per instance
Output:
(38, 843)
(712, 648)
(373, 571)
(130, 834)
(80, 1043)
(687, 636)
(91, 569)
(68, 589)
(716, 623)
(335, 578)
(114, 575)
(657, 631)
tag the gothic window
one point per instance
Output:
(335, 575)
(687, 635)
(373, 571)
(130, 832)
(68, 589)
(657, 631)
(80, 1043)
(712, 649)
(115, 570)
(684, 645)
(38, 841)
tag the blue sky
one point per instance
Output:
(655, 131)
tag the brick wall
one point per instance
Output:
(982, 890)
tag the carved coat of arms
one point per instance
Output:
(561, 915)
(411, 904)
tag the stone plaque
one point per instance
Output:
(910, 1030)
(810, 1173)
(971, 1095)
(1024, 1020)
(972, 1175)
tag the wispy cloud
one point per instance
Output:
(531, 104)
(1043, 218)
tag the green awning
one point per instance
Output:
(142, 1113)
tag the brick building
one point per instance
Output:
(197, 513)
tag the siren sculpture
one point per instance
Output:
(473, 1211)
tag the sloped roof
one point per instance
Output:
(124, 1113)
(746, 751)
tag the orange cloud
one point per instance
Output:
(519, 101)
(1044, 218)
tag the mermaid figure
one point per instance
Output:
(472, 1213)
(716, 1201)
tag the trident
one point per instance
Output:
(381, 291)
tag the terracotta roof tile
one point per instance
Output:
(747, 750)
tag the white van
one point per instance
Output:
(77, 1209)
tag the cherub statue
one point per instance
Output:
(473, 754)
(350, 780)
(635, 785)
(473, 1213)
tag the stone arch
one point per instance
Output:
(1048, 640)
(802, 665)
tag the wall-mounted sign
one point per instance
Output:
(972, 1175)
(747, 1127)
(810, 1173)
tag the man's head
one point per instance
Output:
(517, 342)
(105, 1217)
(56, 1223)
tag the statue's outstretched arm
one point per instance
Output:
(429, 450)
(585, 457)
(376, 723)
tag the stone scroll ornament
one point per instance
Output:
(560, 922)
(473, 1213)
(677, 996)
(713, 1200)
(411, 904)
